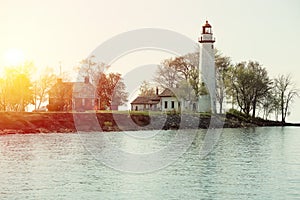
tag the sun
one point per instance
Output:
(14, 57)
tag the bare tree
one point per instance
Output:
(146, 90)
(182, 69)
(268, 104)
(222, 64)
(167, 76)
(286, 90)
(42, 86)
(90, 68)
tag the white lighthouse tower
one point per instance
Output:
(207, 69)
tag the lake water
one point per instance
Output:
(260, 163)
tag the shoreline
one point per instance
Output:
(54, 122)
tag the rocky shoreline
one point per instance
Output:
(48, 122)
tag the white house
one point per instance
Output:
(166, 101)
(146, 103)
(169, 101)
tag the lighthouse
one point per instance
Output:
(207, 69)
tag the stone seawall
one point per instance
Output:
(13, 122)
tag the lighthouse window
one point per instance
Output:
(208, 30)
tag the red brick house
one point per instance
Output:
(67, 96)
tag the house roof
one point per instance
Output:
(167, 93)
(75, 89)
(154, 99)
(146, 100)
(79, 86)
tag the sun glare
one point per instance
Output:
(14, 57)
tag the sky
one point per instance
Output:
(50, 32)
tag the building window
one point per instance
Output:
(194, 107)
(166, 104)
(172, 104)
(83, 102)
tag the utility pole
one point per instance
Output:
(60, 73)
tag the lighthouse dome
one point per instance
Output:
(207, 25)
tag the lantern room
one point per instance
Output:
(206, 35)
(206, 29)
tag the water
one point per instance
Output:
(261, 163)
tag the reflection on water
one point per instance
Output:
(261, 163)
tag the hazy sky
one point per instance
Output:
(68, 31)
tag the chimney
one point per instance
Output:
(156, 90)
(86, 79)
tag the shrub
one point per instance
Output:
(238, 114)
(107, 123)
